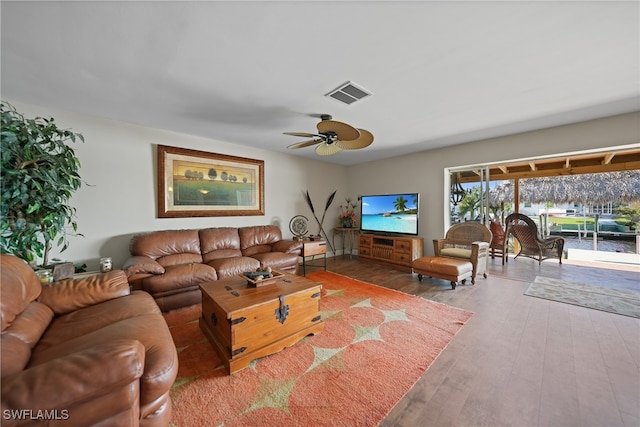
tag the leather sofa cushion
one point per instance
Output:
(179, 259)
(258, 239)
(22, 318)
(91, 319)
(94, 386)
(221, 254)
(22, 335)
(225, 240)
(276, 260)
(184, 298)
(172, 292)
(69, 295)
(19, 286)
(179, 277)
(136, 317)
(252, 251)
(141, 265)
(288, 246)
(15, 354)
(233, 266)
(161, 245)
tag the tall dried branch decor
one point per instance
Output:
(321, 221)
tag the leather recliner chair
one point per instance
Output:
(82, 351)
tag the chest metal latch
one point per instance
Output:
(282, 311)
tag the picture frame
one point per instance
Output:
(193, 183)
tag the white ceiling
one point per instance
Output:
(441, 73)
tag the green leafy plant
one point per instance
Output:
(39, 174)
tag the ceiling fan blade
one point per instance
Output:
(305, 143)
(343, 131)
(366, 138)
(302, 134)
(328, 149)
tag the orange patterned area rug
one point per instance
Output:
(375, 345)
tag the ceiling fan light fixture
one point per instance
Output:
(333, 137)
(348, 93)
(328, 149)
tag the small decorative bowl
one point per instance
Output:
(252, 282)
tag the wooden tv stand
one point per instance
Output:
(397, 252)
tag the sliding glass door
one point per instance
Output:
(469, 192)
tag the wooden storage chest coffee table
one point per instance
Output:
(243, 323)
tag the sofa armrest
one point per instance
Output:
(479, 250)
(483, 247)
(136, 265)
(112, 368)
(72, 294)
(287, 246)
(438, 244)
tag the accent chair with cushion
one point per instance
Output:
(525, 231)
(466, 240)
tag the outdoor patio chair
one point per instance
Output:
(498, 245)
(467, 240)
(525, 231)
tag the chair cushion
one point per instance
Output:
(456, 252)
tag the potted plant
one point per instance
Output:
(348, 218)
(39, 174)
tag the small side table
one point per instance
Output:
(311, 249)
(346, 234)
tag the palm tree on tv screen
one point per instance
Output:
(400, 204)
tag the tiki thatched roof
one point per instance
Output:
(603, 187)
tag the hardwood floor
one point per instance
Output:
(521, 361)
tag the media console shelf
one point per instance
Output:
(395, 252)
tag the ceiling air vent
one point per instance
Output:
(348, 93)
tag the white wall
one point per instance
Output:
(424, 172)
(118, 162)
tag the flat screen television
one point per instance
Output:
(390, 213)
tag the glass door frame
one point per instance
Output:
(482, 171)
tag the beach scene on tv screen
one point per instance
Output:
(396, 213)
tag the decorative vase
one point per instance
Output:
(346, 222)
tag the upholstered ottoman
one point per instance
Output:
(453, 269)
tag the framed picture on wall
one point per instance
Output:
(195, 183)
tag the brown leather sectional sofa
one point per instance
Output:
(170, 264)
(83, 351)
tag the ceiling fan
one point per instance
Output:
(333, 137)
